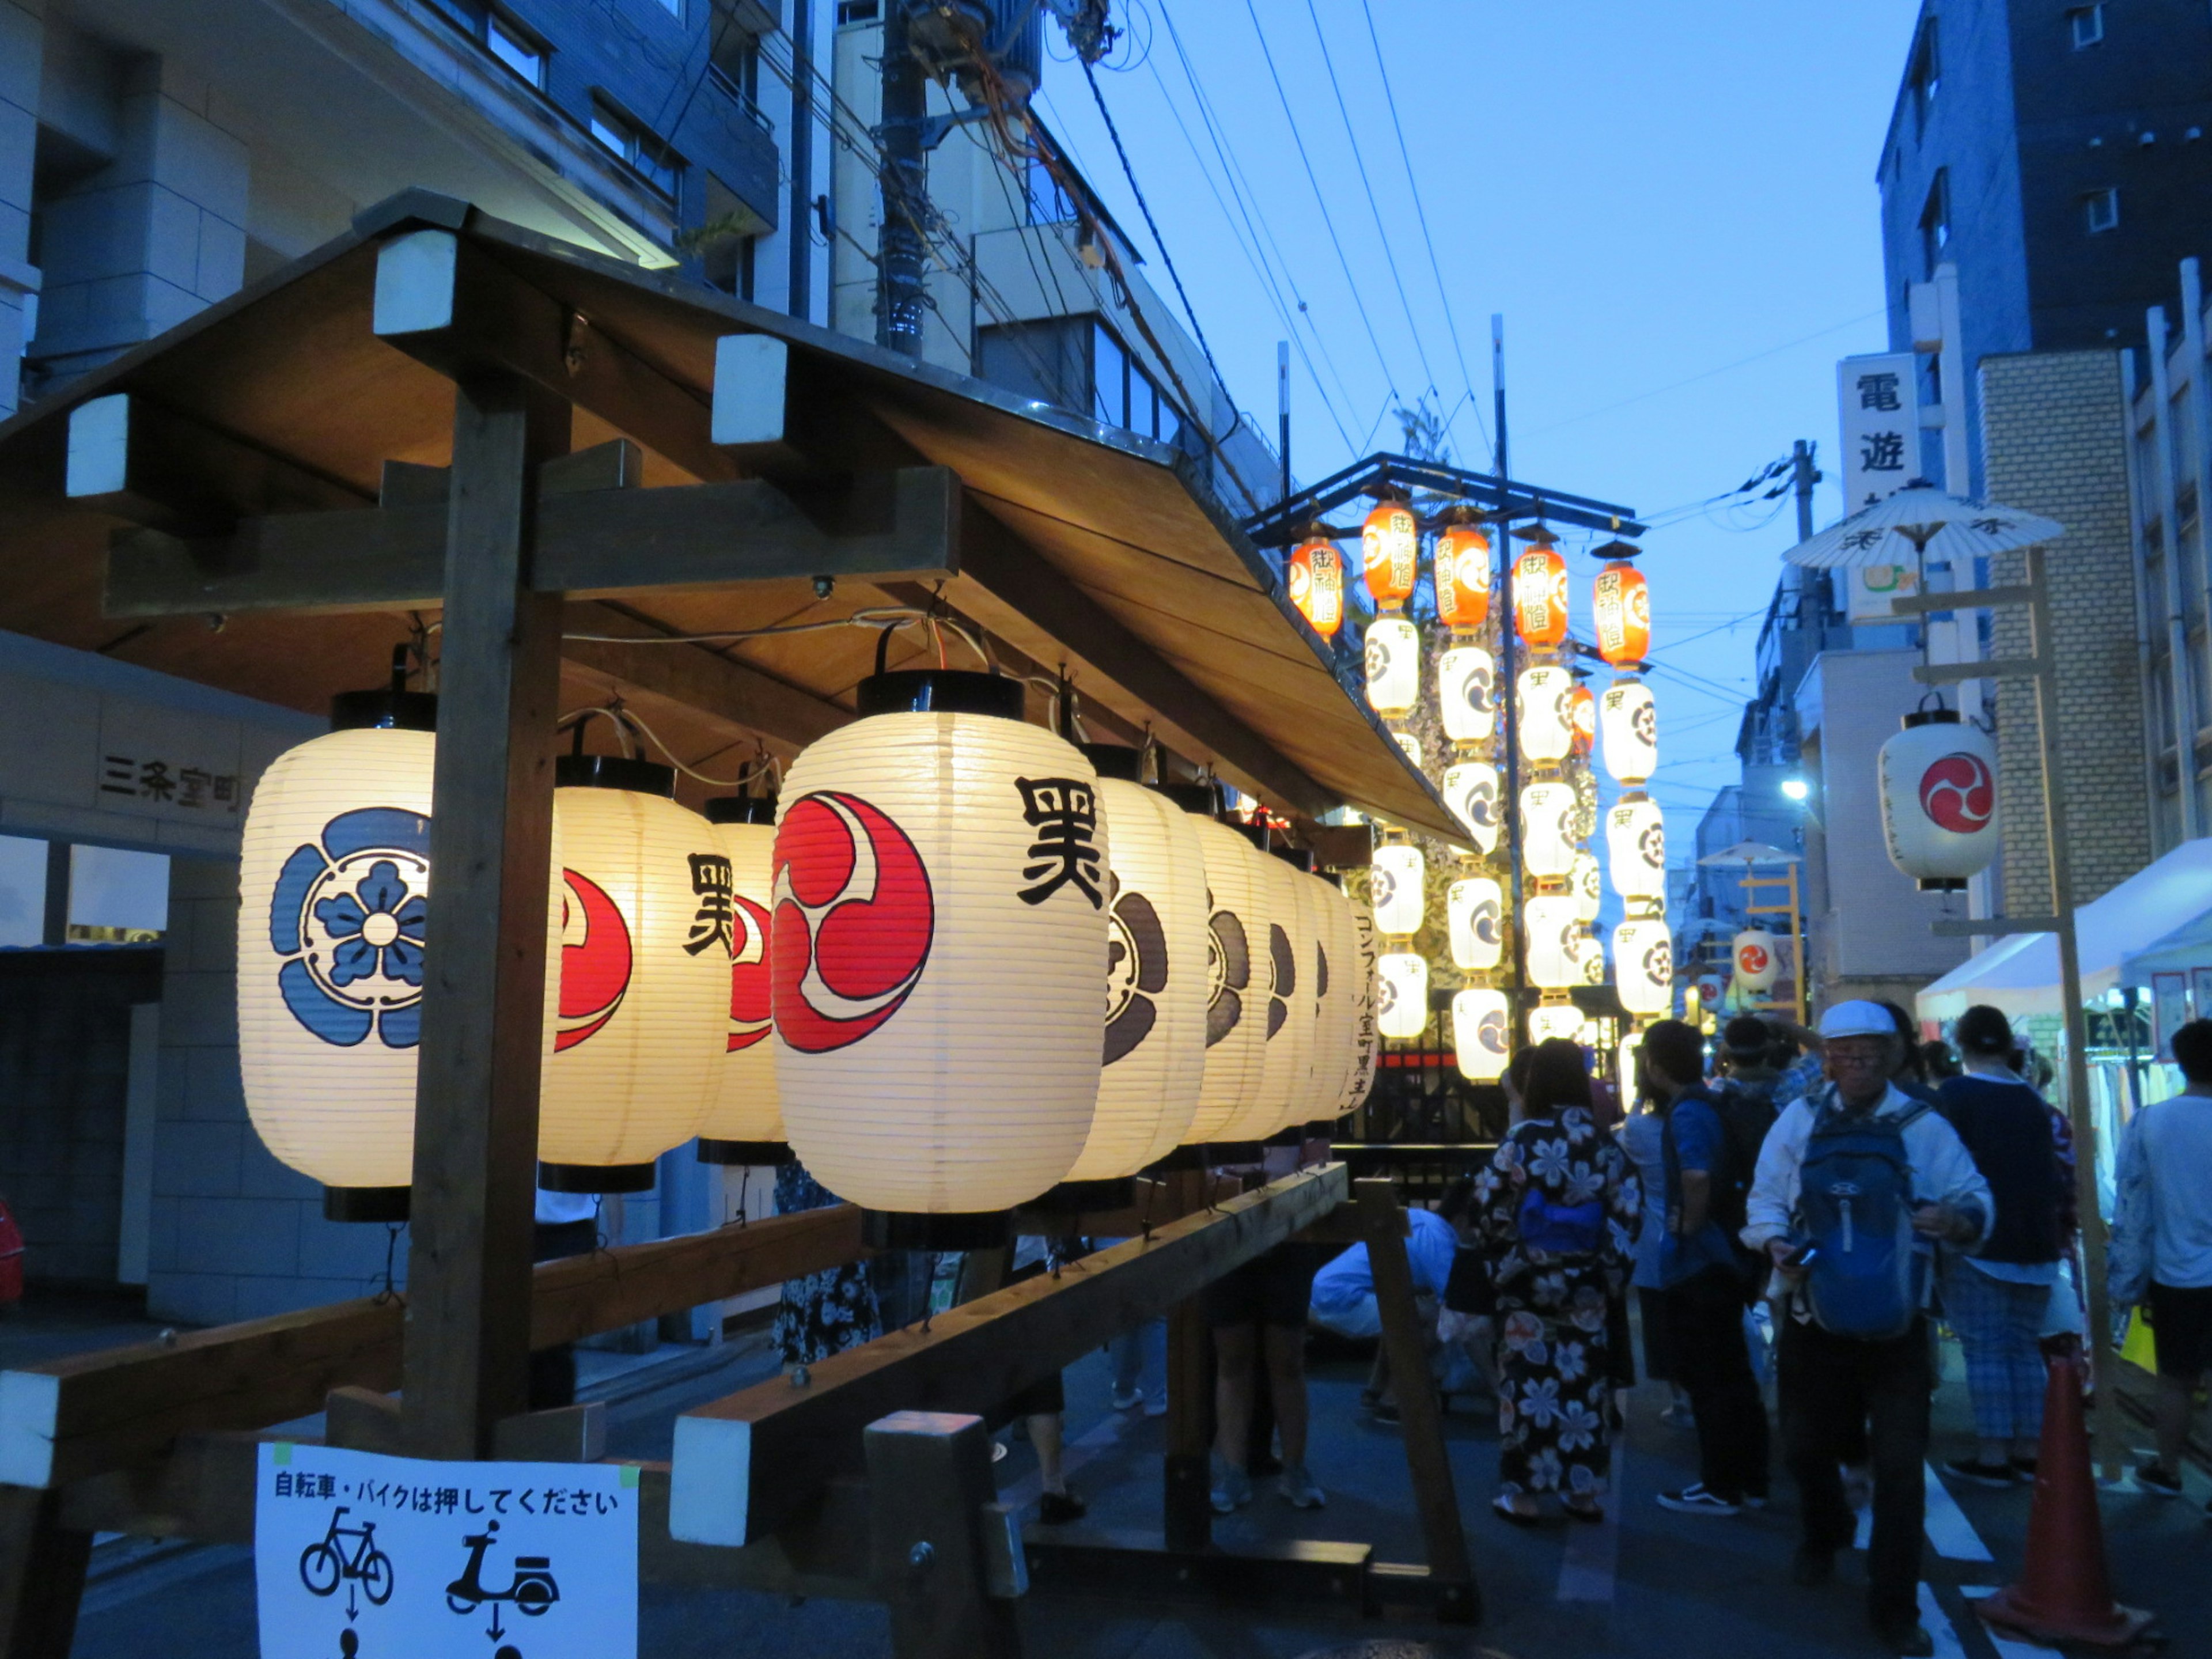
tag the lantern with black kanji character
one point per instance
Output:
(639, 993)
(1401, 995)
(1315, 576)
(1622, 606)
(940, 941)
(1393, 666)
(1636, 850)
(1643, 965)
(1475, 907)
(1461, 562)
(1395, 882)
(1390, 554)
(1481, 1034)
(1540, 598)
(1547, 720)
(1939, 799)
(1547, 828)
(1555, 1020)
(1553, 932)
(1629, 722)
(1470, 790)
(746, 1125)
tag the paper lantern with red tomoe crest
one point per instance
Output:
(1481, 1034)
(747, 1114)
(1939, 799)
(1758, 959)
(939, 940)
(1390, 554)
(1540, 598)
(1462, 573)
(1315, 576)
(1623, 610)
(640, 990)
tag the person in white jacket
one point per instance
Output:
(1825, 1383)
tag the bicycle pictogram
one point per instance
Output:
(327, 1565)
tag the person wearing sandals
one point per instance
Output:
(1996, 1300)
(1555, 1210)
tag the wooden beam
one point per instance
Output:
(695, 677)
(86, 1415)
(42, 1566)
(483, 1004)
(134, 459)
(593, 540)
(745, 1464)
(929, 1487)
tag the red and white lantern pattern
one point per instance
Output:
(1939, 799)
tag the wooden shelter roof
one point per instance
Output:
(1077, 543)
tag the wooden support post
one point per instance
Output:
(1451, 1578)
(930, 1491)
(476, 1113)
(1189, 1521)
(42, 1566)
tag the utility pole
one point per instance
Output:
(1282, 408)
(1805, 476)
(1509, 723)
(799, 216)
(899, 295)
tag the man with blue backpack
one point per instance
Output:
(1856, 1186)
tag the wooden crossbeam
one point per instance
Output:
(746, 1464)
(139, 461)
(89, 1414)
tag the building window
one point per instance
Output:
(1935, 222)
(1926, 76)
(859, 11)
(1048, 203)
(500, 35)
(654, 161)
(2101, 207)
(734, 67)
(1079, 365)
(2086, 24)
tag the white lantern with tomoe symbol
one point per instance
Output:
(1939, 799)
(1471, 791)
(1758, 960)
(1475, 909)
(1643, 965)
(1552, 934)
(1544, 712)
(1628, 731)
(1466, 694)
(1237, 969)
(1480, 1039)
(1589, 887)
(1636, 850)
(1588, 955)
(1289, 1034)
(1396, 885)
(746, 1125)
(640, 991)
(1393, 666)
(1547, 828)
(1401, 994)
(940, 940)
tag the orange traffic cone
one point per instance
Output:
(2065, 1593)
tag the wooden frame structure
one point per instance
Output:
(611, 486)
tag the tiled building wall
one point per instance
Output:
(2054, 433)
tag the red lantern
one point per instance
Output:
(1315, 579)
(1462, 569)
(1390, 549)
(1624, 614)
(1540, 598)
(1582, 718)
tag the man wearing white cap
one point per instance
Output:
(1856, 1180)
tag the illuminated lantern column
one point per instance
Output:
(1397, 884)
(746, 1125)
(939, 945)
(1466, 681)
(1553, 938)
(1642, 946)
(1939, 799)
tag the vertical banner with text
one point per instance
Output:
(1878, 411)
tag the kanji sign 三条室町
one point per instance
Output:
(1878, 412)
(427, 1560)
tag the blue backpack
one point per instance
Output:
(1865, 1275)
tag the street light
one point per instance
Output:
(1797, 788)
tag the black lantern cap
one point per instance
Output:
(741, 809)
(1081, 1197)
(1298, 858)
(1931, 717)
(754, 1154)
(968, 1229)
(1113, 760)
(940, 691)
(613, 772)
(1203, 799)
(596, 1177)
(384, 1204)
(385, 708)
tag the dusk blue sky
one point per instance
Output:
(1674, 207)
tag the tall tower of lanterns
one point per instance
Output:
(1551, 806)
(1390, 549)
(1476, 919)
(1636, 831)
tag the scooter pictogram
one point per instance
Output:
(324, 1566)
(532, 1589)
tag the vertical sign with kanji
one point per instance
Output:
(357, 1556)
(1879, 412)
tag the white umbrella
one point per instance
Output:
(1903, 528)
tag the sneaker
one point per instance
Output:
(1232, 1488)
(2157, 1482)
(1125, 1399)
(1908, 1641)
(1811, 1566)
(1976, 1472)
(1695, 1500)
(1298, 1489)
(1057, 1509)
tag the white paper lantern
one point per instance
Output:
(1481, 1034)
(1552, 931)
(1336, 1000)
(940, 931)
(1546, 721)
(1393, 666)
(1288, 1055)
(746, 1118)
(1589, 887)
(1366, 997)
(1410, 745)
(1402, 999)
(1636, 850)
(1156, 974)
(1628, 731)
(1547, 828)
(1939, 799)
(1466, 694)
(1475, 908)
(1588, 957)
(1397, 884)
(1555, 1020)
(1236, 967)
(334, 884)
(1758, 959)
(1471, 791)
(1643, 965)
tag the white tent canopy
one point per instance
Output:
(2157, 920)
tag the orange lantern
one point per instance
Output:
(1623, 605)
(1582, 718)
(1462, 568)
(1540, 598)
(1390, 548)
(1315, 579)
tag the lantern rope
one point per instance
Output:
(391, 1292)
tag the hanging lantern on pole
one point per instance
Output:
(1758, 960)
(1390, 554)
(334, 884)
(1462, 563)
(1622, 606)
(1315, 577)
(1394, 666)
(1289, 1040)
(1409, 745)
(1587, 888)
(1643, 965)
(1237, 984)
(1939, 799)
(1546, 722)
(1480, 1028)
(641, 985)
(1555, 1020)
(1466, 694)
(1552, 932)
(1395, 884)
(1401, 997)
(1636, 850)
(1539, 597)
(1630, 722)
(1547, 828)
(745, 1124)
(1471, 791)
(1475, 907)
(1582, 719)
(939, 939)
(1588, 956)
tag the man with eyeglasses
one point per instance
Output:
(1830, 1382)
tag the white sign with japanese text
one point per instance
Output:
(357, 1556)
(1878, 413)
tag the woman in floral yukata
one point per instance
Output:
(1557, 1209)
